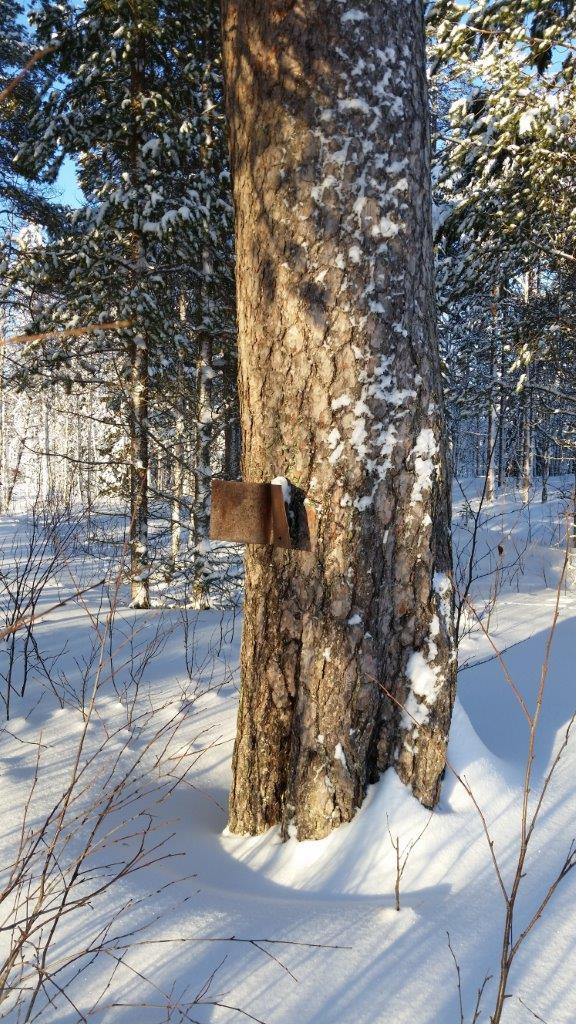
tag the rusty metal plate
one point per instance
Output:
(280, 527)
(247, 513)
(241, 512)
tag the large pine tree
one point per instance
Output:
(347, 658)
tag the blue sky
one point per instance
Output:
(67, 185)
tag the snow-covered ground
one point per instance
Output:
(284, 932)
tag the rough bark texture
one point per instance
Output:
(347, 653)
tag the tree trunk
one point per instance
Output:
(232, 436)
(492, 429)
(347, 655)
(177, 490)
(45, 468)
(526, 469)
(502, 414)
(139, 374)
(203, 464)
(545, 470)
(138, 533)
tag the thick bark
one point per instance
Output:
(347, 654)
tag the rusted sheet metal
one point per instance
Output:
(241, 512)
(247, 513)
(280, 528)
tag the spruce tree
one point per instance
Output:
(135, 109)
(507, 191)
(20, 198)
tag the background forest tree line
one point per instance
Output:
(138, 419)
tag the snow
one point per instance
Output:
(424, 452)
(339, 755)
(341, 402)
(335, 455)
(386, 228)
(282, 482)
(526, 122)
(353, 15)
(355, 103)
(370, 963)
(422, 677)
(373, 439)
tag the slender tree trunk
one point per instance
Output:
(232, 435)
(82, 450)
(545, 468)
(340, 392)
(492, 429)
(526, 446)
(526, 468)
(203, 463)
(177, 489)
(138, 534)
(232, 450)
(15, 471)
(502, 415)
(45, 471)
(139, 379)
(494, 384)
(205, 410)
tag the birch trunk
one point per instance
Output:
(491, 433)
(138, 415)
(502, 414)
(177, 490)
(340, 392)
(526, 466)
(494, 384)
(45, 470)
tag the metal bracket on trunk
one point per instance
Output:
(247, 513)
